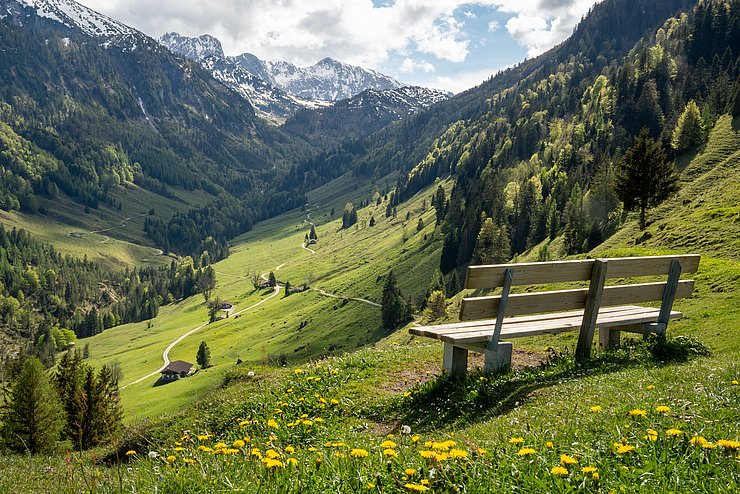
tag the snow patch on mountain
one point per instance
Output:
(72, 14)
(197, 49)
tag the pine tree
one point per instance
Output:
(645, 177)
(203, 357)
(689, 131)
(68, 380)
(420, 225)
(271, 279)
(372, 221)
(436, 305)
(395, 310)
(439, 203)
(33, 417)
(312, 235)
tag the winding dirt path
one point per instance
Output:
(357, 299)
(166, 353)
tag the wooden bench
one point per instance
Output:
(487, 320)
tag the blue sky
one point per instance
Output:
(446, 44)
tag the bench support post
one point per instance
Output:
(455, 359)
(669, 296)
(591, 312)
(609, 338)
(498, 359)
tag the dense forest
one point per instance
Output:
(46, 299)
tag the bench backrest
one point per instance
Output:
(494, 276)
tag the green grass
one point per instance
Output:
(397, 380)
(124, 243)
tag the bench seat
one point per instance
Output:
(475, 332)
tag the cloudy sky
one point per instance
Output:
(447, 44)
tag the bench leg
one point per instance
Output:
(455, 360)
(608, 338)
(499, 359)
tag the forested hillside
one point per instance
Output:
(81, 115)
(47, 299)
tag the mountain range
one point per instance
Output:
(279, 89)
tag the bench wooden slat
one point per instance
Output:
(535, 273)
(560, 300)
(520, 330)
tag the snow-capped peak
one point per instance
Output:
(72, 14)
(198, 49)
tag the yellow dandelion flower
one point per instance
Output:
(271, 453)
(272, 463)
(238, 443)
(204, 437)
(567, 460)
(637, 412)
(424, 482)
(171, 458)
(256, 452)
(588, 470)
(298, 371)
(290, 450)
(273, 424)
(407, 394)
(416, 487)
(458, 454)
(662, 409)
(370, 485)
(708, 445)
(674, 432)
(358, 453)
(559, 471)
(220, 446)
(482, 451)
(728, 444)
(429, 455)
(205, 449)
(652, 435)
(410, 472)
(516, 440)
(650, 387)
(130, 452)
(390, 452)
(232, 451)
(698, 440)
(188, 461)
(388, 445)
(549, 445)
(307, 423)
(596, 408)
(414, 439)
(625, 448)
(292, 461)
(735, 382)
(595, 476)
(525, 452)
(334, 401)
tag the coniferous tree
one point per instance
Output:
(395, 310)
(439, 202)
(689, 131)
(372, 221)
(203, 357)
(436, 305)
(312, 234)
(271, 279)
(32, 418)
(420, 225)
(645, 178)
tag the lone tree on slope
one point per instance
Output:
(203, 357)
(395, 310)
(645, 178)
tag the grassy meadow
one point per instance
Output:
(355, 409)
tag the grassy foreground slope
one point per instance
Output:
(640, 419)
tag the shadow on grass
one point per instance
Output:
(478, 396)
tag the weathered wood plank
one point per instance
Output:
(535, 273)
(481, 335)
(560, 300)
(568, 319)
(591, 311)
(669, 295)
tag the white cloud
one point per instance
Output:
(541, 24)
(493, 26)
(409, 65)
(469, 15)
